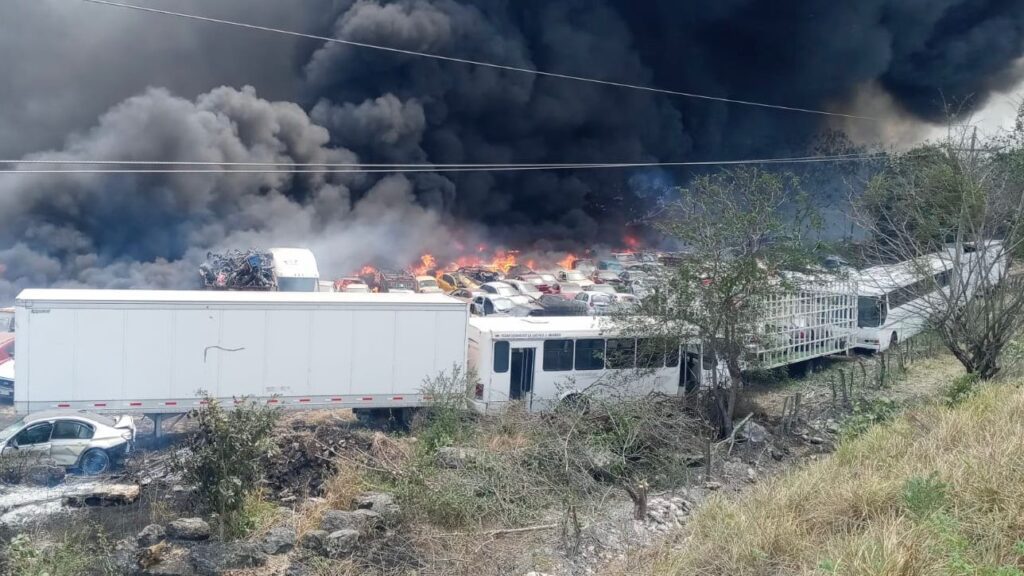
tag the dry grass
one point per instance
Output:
(937, 491)
(340, 491)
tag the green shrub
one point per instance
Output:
(446, 419)
(222, 458)
(960, 389)
(868, 413)
(925, 495)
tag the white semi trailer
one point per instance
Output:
(155, 352)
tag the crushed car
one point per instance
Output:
(83, 441)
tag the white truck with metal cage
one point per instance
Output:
(152, 352)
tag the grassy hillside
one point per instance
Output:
(937, 491)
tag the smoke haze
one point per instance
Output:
(83, 81)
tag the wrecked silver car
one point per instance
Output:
(88, 442)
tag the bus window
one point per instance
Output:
(672, 353)
(557, 355)
(870, 312)
(649, 353)
(501, 351)
(590, 354)
(621, 353)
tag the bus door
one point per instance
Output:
(521, 372)
(690, 372)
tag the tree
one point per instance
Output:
(740, 230)
(951, 212)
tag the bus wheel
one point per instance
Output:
(575, 403)
(893, 340)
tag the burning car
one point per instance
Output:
(427, 285)
(451, 281)
(575, 276)
(545, 283)
(481, 275)
(351, 285)
(79, 440)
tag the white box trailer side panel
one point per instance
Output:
(150, 350)
(331, 353)
(193, 368)
(242, 353)
(99, 350)
(154, 355)
(373, 352)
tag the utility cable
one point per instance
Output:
(482, 63)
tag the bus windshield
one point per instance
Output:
(870, 312)
(287, 284)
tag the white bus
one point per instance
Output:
(543, 361)
(892, 300)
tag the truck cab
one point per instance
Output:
(295, 270)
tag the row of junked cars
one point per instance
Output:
(588, 288)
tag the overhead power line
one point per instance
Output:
(483, 64)
(174, 167)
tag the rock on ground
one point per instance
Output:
(360, 520)
(151, 535)
(456, 457)
(189, 529)
(341, 543)
(215, 558)
(381, 503)
(314, 541)
(279, 540)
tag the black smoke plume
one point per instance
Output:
(92, 82)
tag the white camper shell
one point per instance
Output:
(154, 351)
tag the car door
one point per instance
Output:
(32, 442)
(68, 440)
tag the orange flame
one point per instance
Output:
(367, 270)
(568, 262)
(632, 242)
(427, 264)
(503, 261)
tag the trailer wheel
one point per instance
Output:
(94, 461)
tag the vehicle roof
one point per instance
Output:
(425, 277)
(51, 414)
(882, 279)
(72, 297)
(542, 324)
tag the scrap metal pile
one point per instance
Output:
(238, 270)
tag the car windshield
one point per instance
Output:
(504, 290)
(297, 284)
(428, 283)
(527, 288)
(575, 276)
(11, 430)
(502, 304)
(603, 288)
(601, 299)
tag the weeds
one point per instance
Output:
(866, 414)
(222, 460)
(73, 554)
(962, 388)
(940, 491)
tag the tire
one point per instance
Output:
(574, 404)
(893, 340)
(94, 461)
